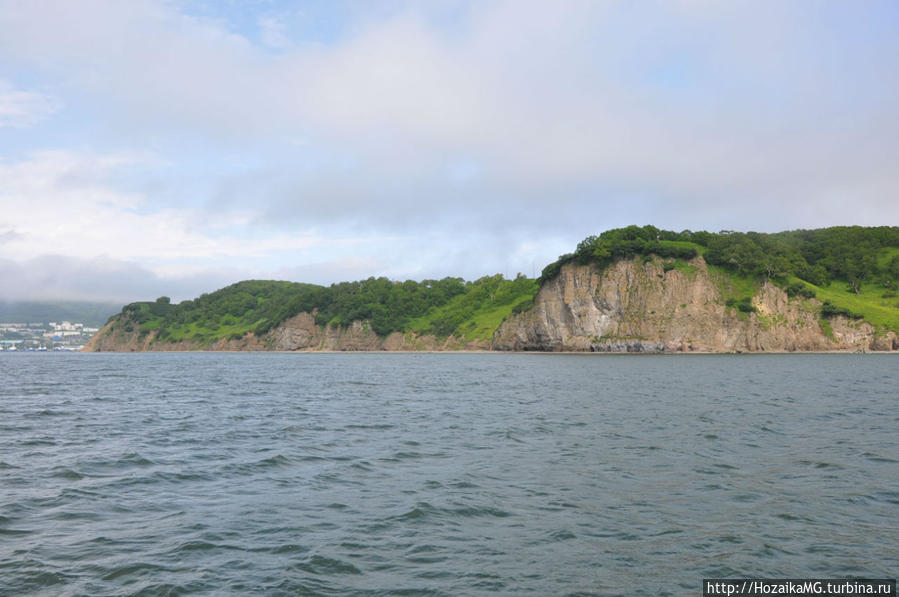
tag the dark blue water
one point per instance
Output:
(442, 474)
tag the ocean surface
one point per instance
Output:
(443, 474)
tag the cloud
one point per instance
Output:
(24, 108)
(273, 32)
(55, 277)
(69, 203)
(8, 235)
(509, 124)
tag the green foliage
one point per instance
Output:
(743, 305)
(478, 312)
(388, 305)
(799, 289)
(869, 303)
(525, 305)
(854, 254)
(552, 270)
(232, 311)
(893, 268)
(682, 266)
(827, 328)
(624, 243)
(258, 306)
(848, 253)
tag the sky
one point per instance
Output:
(155, 147)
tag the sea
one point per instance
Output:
(443, 474)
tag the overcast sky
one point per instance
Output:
(155, 147)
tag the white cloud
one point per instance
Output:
(65, 203)
(540, 99)
(408, 139)
(55, 277)
(24, 108)
(273, 32)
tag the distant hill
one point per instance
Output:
(90, 314)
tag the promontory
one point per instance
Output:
(633, 289)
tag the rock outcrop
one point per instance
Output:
(638, 306)
(302, 333)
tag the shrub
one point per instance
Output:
(744, 304)
(799, 289)
(552, 270)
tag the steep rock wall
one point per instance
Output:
(637, 306)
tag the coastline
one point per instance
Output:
(516, 352)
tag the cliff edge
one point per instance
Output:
(643, 305)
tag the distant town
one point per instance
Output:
(42, 337)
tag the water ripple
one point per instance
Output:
(373, 474)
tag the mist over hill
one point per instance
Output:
(92, 314)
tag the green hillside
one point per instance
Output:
(451, 306)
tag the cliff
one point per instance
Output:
(638, 306)
(644, 304)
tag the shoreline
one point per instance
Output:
(516, 352)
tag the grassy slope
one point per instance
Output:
(869, 303)
(880, 311)
(684, 244)
(479, 312)
(732, 285)
(205, 334)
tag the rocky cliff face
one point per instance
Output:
(636, 306)
(301, 333)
